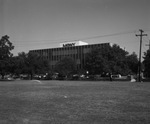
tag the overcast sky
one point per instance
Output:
(35, 24)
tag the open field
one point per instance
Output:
(74, 102)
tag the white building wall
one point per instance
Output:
(73, 43)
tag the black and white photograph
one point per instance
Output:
(74, 61)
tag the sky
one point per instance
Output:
(38, 24)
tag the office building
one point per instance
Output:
(77, 50)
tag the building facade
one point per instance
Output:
(76, 50)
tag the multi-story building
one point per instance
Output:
(77, 50)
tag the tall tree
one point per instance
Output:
(18, 64)
(109, 59)
(36, 64)
(5, 53)
(146, 63)
(132, 62)
(96, 63)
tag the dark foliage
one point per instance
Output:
(132, 62)
(29, 63)
(5, 54)
(111, 59)
(65, 66)
(146, 63)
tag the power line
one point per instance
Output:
(108, 35)
(85, 38)
(23, 42)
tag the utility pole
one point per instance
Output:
(148, 44)
(141, 35)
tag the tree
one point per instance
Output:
(108, 60)
(132, 62)
(36, 64)
(29, 63)
(5, 54)
(119, 57)
(65, 66)
(96, 63)
(146, 63)
(18, 64)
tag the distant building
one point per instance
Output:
(77, 50)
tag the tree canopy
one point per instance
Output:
(146, 63)
(36, 64)
(132, 62)
(111, 59)
(5, 54)
(65, 66)
(29, 63)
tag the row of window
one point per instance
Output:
(68, 50)
(78, 53)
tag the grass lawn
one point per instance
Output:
(74, 102)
